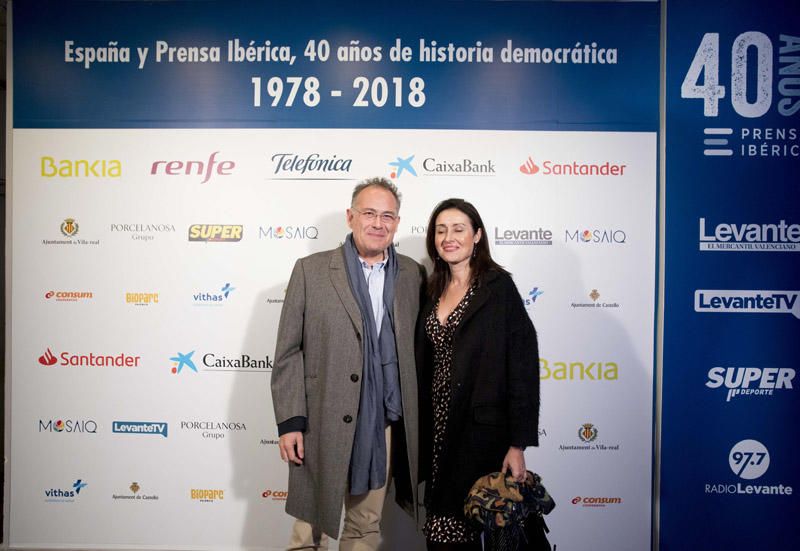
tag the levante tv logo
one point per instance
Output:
(747, 302)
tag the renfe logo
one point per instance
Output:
(751, 302)
(199, 168)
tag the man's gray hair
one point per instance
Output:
(377, 182)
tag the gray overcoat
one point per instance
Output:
(317, 375)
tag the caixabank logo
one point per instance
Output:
(549, 167)
(578, 371)
(750, 382)
(717, 301)
(779, 236)
(749, 460)
(69, 359)
(459, 166)
(762, 82)
(216, 233)
(402, 165)
(65, 495)
(213, 362)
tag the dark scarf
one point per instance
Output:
(380, 400)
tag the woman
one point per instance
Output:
(479, 373)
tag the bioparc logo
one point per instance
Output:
(402, 165)
(596, 501)
(69, 426)
(311, 166)
(288, 233)
(206, 495)
(749, 460)
(749, 236)
(70, 228)
(594, 295)
(587, 436)
(213, 298)
(89, 360)
(578, 371)
(571, 168)
(64, 495)
(68, 296)
(213, 362)
(750, 381)
(141, 299)
(609, 236)
(216, 233)
(747, 302)
(159, 428)
(200, 170)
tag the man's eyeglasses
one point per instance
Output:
(370, 215)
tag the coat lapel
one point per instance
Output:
(338, 276)
(482, 294)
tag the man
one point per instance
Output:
(344, 383)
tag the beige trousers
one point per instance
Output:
(362, 519)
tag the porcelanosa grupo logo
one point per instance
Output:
(311, 166)
(549, 167)
(212, 430)
(748, 236)
(401, 165)
(750, 381)
(65, 495)
(91, 359)
(144, 232)
(749, 460)
(200, 170)
(747, 302)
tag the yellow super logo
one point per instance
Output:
(215, 232)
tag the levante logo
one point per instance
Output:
(747, 302)
(748, 236)
(749, 460)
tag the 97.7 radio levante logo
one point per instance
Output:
(757, 85)
(749, 460)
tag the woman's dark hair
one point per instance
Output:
(481, 261)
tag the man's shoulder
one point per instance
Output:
(409, 264)
(319, 259)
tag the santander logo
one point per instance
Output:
(47, 358)
(529, 167)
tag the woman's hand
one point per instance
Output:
(515, 462)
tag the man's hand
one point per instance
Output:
(291, 446)
(514, 461)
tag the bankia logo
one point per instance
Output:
(212, 430)
(747, 302)
(68, 296)
(749, 460)
(289, 233)
(578, 371)
(217, 297)
(459, 166)
(588, 440)
(159, 428)
(205, 495)
(595, 296)
(749, 237)
(68, 359)
(202, 170)
(750, 381)
(70, 229)
(310, 166)
(144, 232)
(522, 236)
(65, 495)
(402, 165)
(611, 236)
(52, 167)
(216, 233)
(68, 426)
(550, 167)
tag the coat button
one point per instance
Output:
(347, 419)
(354, 378)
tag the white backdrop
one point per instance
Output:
(214, 430)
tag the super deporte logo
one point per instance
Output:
(747, 302)
(750, 381)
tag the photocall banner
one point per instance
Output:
(732, 309)
(172, 160)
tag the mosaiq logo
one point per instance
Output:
(200, 170)
(68, 426)
(288, 233)
(610, 236)
(749, 236)
(749, 460)
(747, 302)
(549, 167)
(750, 381)
(311, 166)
